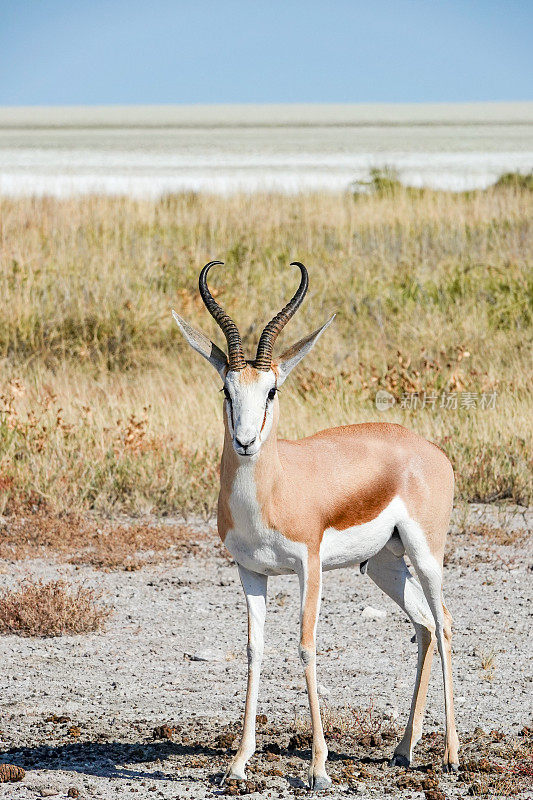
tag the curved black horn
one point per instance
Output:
(236, 360)
(263, 358)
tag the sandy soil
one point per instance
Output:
(113, 688)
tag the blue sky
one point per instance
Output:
(219, 51)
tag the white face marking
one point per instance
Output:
(249, 409)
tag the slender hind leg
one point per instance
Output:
(391, 574)
(255, 589)
(451, 752)
(429, 572)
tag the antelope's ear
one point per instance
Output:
(294, 354)
(199, 342)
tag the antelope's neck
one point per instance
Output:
(247, 484)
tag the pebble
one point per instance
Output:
(370, 613)
(208, 654)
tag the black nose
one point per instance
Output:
(243, 445)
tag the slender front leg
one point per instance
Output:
(255, 589)
(310, 590)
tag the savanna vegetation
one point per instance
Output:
(36, 608)
(103, 406)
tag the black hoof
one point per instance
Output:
(399, 761)
(230, 776)
(319, 782)
(450, 767)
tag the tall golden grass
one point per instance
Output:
(104, 407)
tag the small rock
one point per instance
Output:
(434, 794)
(371, 740)
(224, 740)
(300, 741)
(357, 787)
(73, 792)
(370, 613)
(323, 690)
(48, 792)
(205, 655)
(162, 732)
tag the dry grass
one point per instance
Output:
(36, 608)
(33, 532)
(510, 775)
(368, 724)
(487, 660)
(104, 407)
(503, 537)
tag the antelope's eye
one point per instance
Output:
(272, 393)
(226, 394)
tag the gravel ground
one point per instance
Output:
(116, 686)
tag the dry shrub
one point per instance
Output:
(500, 536)
(34, 530)
(131, 547)
(10, 773)
(512, 775)
(367, 724)
(131, 467)
(364, 723)
(477, 542)
(36, 608)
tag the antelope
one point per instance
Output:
(365, 494)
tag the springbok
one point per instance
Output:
(360, 494)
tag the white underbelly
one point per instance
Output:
(342, 548)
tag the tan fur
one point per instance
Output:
(336, 479)
(248, 374)
(341, 477)
(312, 601)
(414, 728)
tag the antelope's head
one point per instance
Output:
(250, 387)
